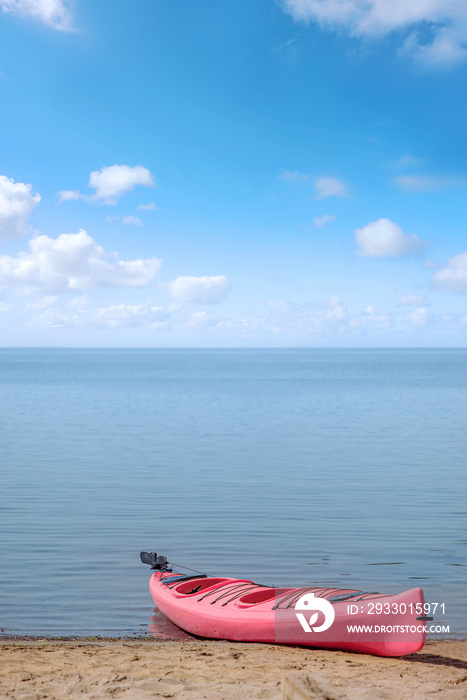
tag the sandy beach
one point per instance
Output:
(145, 668)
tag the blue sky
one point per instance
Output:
(276, 173)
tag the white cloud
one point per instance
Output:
(431, 265)
(132, 221)
(125, 220)
(80, 302)
(70, 195)
(125, 315)
(332, 317)
(202, 321)
(292, 321)
(385, 239)
(329, 187)
(448, 46)
(444, 20)
(55, 13)
(284, 45)
(312, 316)
(294, 176)
(371, 319)
(110, 183)
(73, 261)
(408, 161)
(425, 183)
(324, 185)
(43, 302)
(16, 203)
(199, 290)
(113, 316)
(147, 207)
(418, 317)
(320, 221)
(453, 277)
(411, 299)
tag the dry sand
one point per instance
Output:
(146, 668)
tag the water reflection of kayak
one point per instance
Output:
(161, 627)
(328, 618)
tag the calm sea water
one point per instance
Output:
(345, 467)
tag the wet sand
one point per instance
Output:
(146, 668)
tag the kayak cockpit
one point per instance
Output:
(201, 585)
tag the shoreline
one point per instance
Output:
(144, 667)
(183, 637)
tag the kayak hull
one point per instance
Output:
(240, 610)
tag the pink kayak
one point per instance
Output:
(327, 618)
